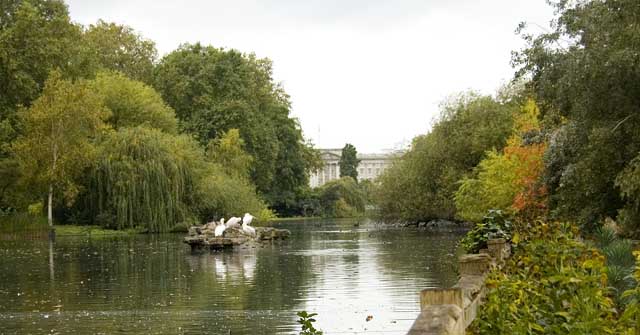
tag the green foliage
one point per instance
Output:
(628, 181)
(422, 183)
(221, 195)
(148, 179)
(494, 225)
(16, 223)
(494, 187)
(228, 152)
(133, 103)
(604, 236)
(214, 90)
(36, 37)
(35, 209)
(620, 264)
(306, 321)
(631, 314)
(144, 178)
(9, 176)
(57, 145)
(109, 46)
(584, 75)
(349, 162)
(553, 284)
(341, 198)
(508, 180)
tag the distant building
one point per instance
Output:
(370, 167)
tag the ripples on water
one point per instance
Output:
(154, 285)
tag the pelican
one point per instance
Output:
(234, 222)
(219, 228)
(210, 225)
(246, 220)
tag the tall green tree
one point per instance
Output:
(56, 145)
(36, 37)
(214, 90)
(115, 47)
(422, 183)
(133, 103)
(585, 74)
(349, 162)
(228, 152)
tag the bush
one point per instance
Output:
(225, 196)
(553, 284)
(493, 225)
(35, 209)
(341, 198)
(631, 316)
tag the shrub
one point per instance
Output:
(35, 209)
(553, 284)
(631, 315)
(341, 198)
(493, 225)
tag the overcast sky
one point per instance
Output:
(367, 72)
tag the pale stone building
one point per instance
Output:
(370, 167)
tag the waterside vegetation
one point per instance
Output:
(96, 129)
(557, 152)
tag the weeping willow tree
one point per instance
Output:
(145, 178)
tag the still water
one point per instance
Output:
(153, 284)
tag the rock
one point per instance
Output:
(202, 237)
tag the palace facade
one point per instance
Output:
(370, 167)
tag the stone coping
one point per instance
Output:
(450, 311)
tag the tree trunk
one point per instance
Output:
(50, 205)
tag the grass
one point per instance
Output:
(22, 223)
(69, 230)
(295, 218)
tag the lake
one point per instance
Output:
(153, 284)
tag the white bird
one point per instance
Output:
(219, 228)
(233, 222)
(246, 220)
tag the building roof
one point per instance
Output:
(364, 156)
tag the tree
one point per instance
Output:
(133, 103)
(145, 178)
(214, 90)
(36, 37)
(509, 180)
(114, 47)
(422, 183)
(56, 145)
(228, 152)
(585, 75)
(341, 198)
(349, 162)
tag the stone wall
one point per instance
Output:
(450, 311)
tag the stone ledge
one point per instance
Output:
(451, 311)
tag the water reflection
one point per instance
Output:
(154, 285)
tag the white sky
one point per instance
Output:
(367, 72)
